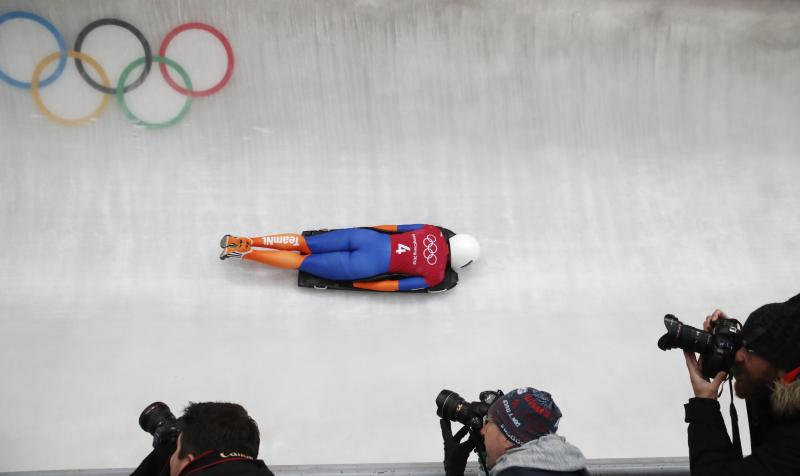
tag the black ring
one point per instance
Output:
(148, 55)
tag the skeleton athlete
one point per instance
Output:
(418, 253)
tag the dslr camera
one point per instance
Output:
(718, 347)
(158, 420)
(451, 406)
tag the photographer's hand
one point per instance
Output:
(456, 453)
(703, 388)
(717, 314)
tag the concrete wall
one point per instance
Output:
(598, 467)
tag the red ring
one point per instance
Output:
(162, 51)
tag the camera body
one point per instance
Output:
(158, 420)
(451, 406)
(718, 347)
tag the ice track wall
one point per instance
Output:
(618, 160)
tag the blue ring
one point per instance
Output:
(62, 48)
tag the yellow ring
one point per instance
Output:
(38, 100)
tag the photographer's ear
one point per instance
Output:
(176, 462)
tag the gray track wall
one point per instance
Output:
(601, 467)
(617, 160)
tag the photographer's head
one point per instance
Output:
(516, 418)
(771, 348)
(214, 426)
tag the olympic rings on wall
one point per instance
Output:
(62, 48)
(148, 55)
(38, 100)
(225, 43)
(121, 88)
(121, 98)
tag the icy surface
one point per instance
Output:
(617, 161)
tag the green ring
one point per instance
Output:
(187, 84)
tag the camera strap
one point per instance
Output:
(736, 440)
(480, 449)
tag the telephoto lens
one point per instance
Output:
(717, 348)
(158, 420)
(450, 406)
(681, 336)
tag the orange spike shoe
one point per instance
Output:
(235, 243)
(231, 253)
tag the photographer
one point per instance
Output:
(766, 371)
(519, 438)
(210, 439)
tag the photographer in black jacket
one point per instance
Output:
(210, 439)
(766, 375)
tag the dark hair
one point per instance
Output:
(217, 426)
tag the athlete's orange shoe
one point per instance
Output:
(235, 243)
(231, 253)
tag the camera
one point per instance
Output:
(717, 347)
(158, 420)
(451, 406)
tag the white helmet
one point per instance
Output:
(464, 249)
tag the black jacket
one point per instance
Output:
(210, 463)
(774, 429)
(215, 464)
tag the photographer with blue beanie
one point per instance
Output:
(519, 438)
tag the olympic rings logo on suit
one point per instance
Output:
(121, 88)
(429, 253)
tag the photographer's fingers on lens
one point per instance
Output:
(700, 369)
(460, 433)
(702, 387)
(693, 365)
(717, 314)
(447, 430)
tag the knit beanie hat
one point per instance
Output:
(525, 414)
(773, 332)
